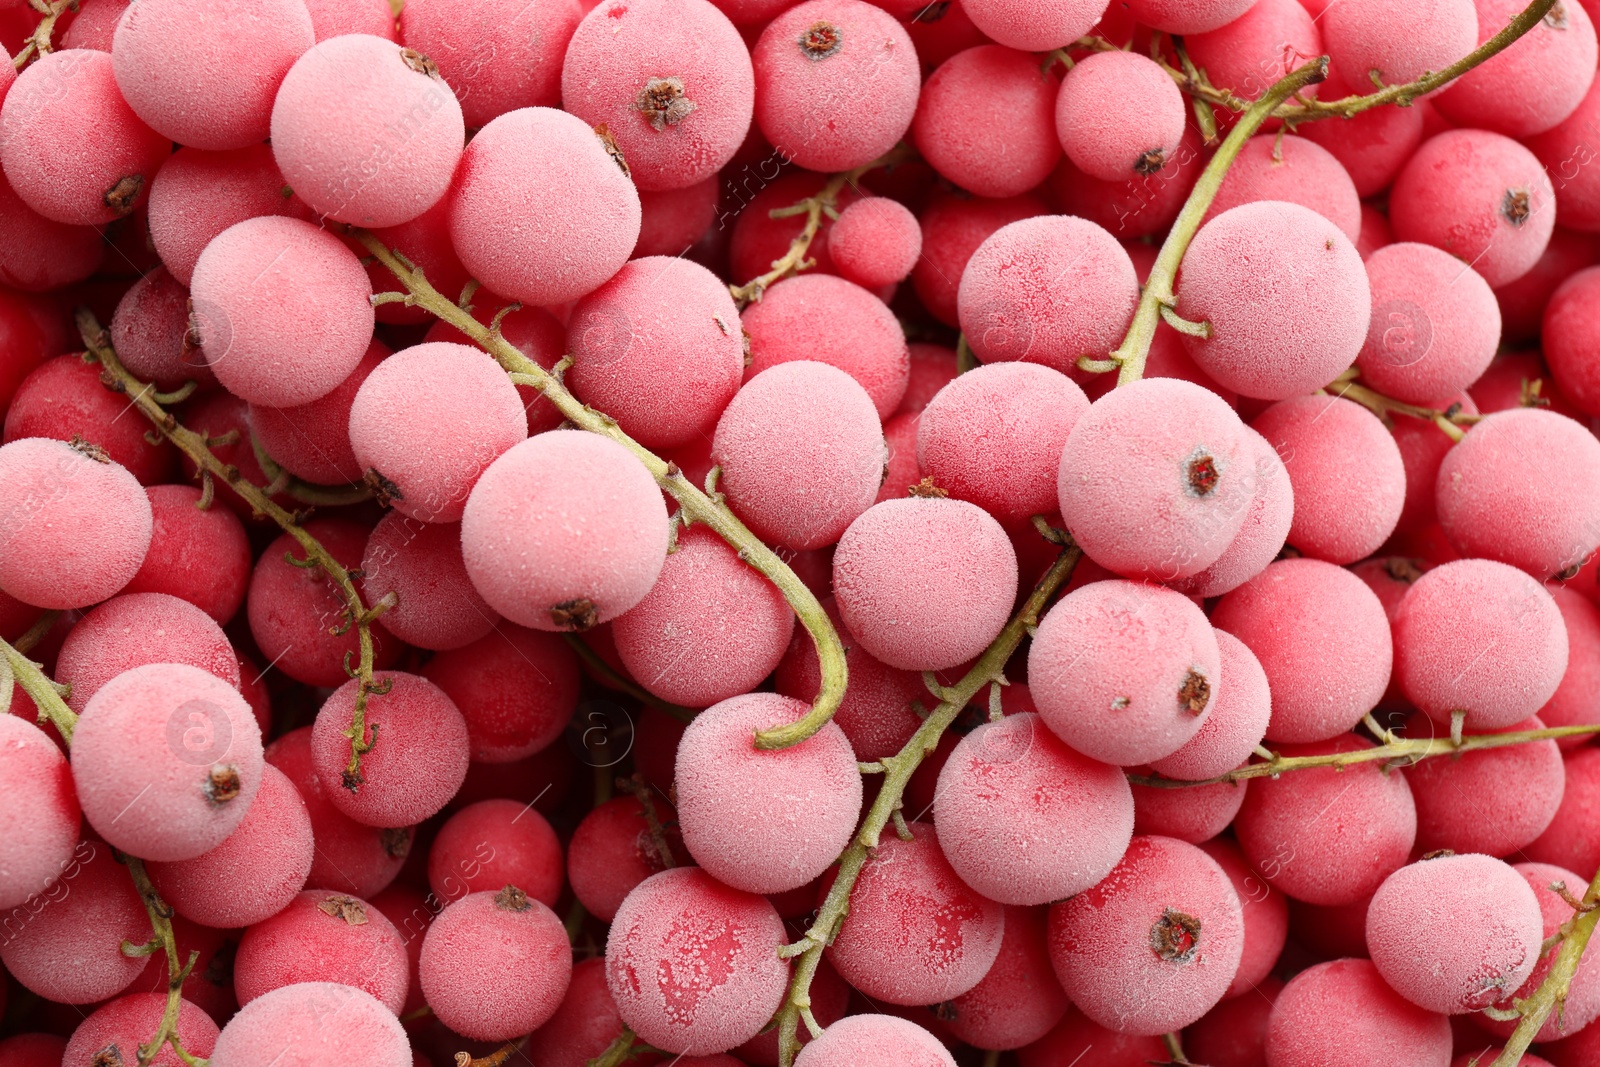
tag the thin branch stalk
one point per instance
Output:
(1552, 992)
(1403, 753)
(694, 505)
(988, 669)
(117, 378)
(38, 685)
(161, 922)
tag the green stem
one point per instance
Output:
(1157, 294)
(694, 505)
(117, 378)
(1552, 992)
(161, 922)
(618, 1052)
(1406, 751)
(595, 662)
(988, 669)
(46, 697)
(303, 491)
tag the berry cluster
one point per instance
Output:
(756, 533)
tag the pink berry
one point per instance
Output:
(994, 436)
(1019, 1000)
(94, 25)
(411, 911)
(1495, 802)
(1559, 50)
(1236, 720)
(1145, 206)
(63, 399)
(900, 435)
(876, 713)
(1325, 835)
(1291, 170)
(1124, 672)
(1261, 46)
(491, 844)
(672, 221)
(925, 583)
(1234, 1033)
(133, 630)
(1570, 705)
(412, 770)
(209, 84)
(1297, 346)
(1265, 529)
(72, 148)
(1453, 934)
(1571, 840)
(1479, 638)
(1266, 917)
(78, 526)
(1156, 479)
(428, 420)
(84, 917)
(1187, 16)
(1194, 814)
(496, 56)
(932, 368)
(255, 872)
(952, 229)
(1369, 39)
(1435, 324)
(875, 242)
(242, 282)
(349, 857)
(312, 441)
(1348, 478)
(1582, 1004)
(542, 563)
(1047, 290)
(874, 1039)
(1372, 146)
(711, 627)
(425, 241)
(119, 1028)
(1521, 488)
(693, 964)
(1024, 819)
(1119, 115)
(1423, 448)
(150, 330)
(583, 1026)
(167, 760)
(672, 82)
(1323, 640)
(1077, 1036)
(1034, 26)
(739, 805)
(1479, 196)
(1155, 944)
(1568, 340)
(511, 215)
(420, 564)
(516, 688)
(1342, 1012)
(366, 131)
(196, 195)
(836, 83)
(288, 1027)
(797, 482)
(829, 320)
(1563, 150)
(658, 348)
(757, 238)
(37, 253)
(532, 331)
(40, 823)
(917, 933)
(199, 556)
(986, 121)
(612, 851)
(335, 18)
(473, 946)
(322, 936)
(1523, 303)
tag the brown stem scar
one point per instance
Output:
(223, 784)
(512, 899)
(351, 910)
(122, 196)
(1175, 936)
(580, 614)
(821, 40)
(663, 102)
(1195, 693)
(1203, 474)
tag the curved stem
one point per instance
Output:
(694, 505)
(31, 677)
(899, 768)
(1448, 422)
(299, 489)
(618, 1052)
(596, 663)
(1157, 294)
(1404, 752)
(116, 377)
(493, 1059)
(1552, 992)
(40, 40)
(161, 922)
